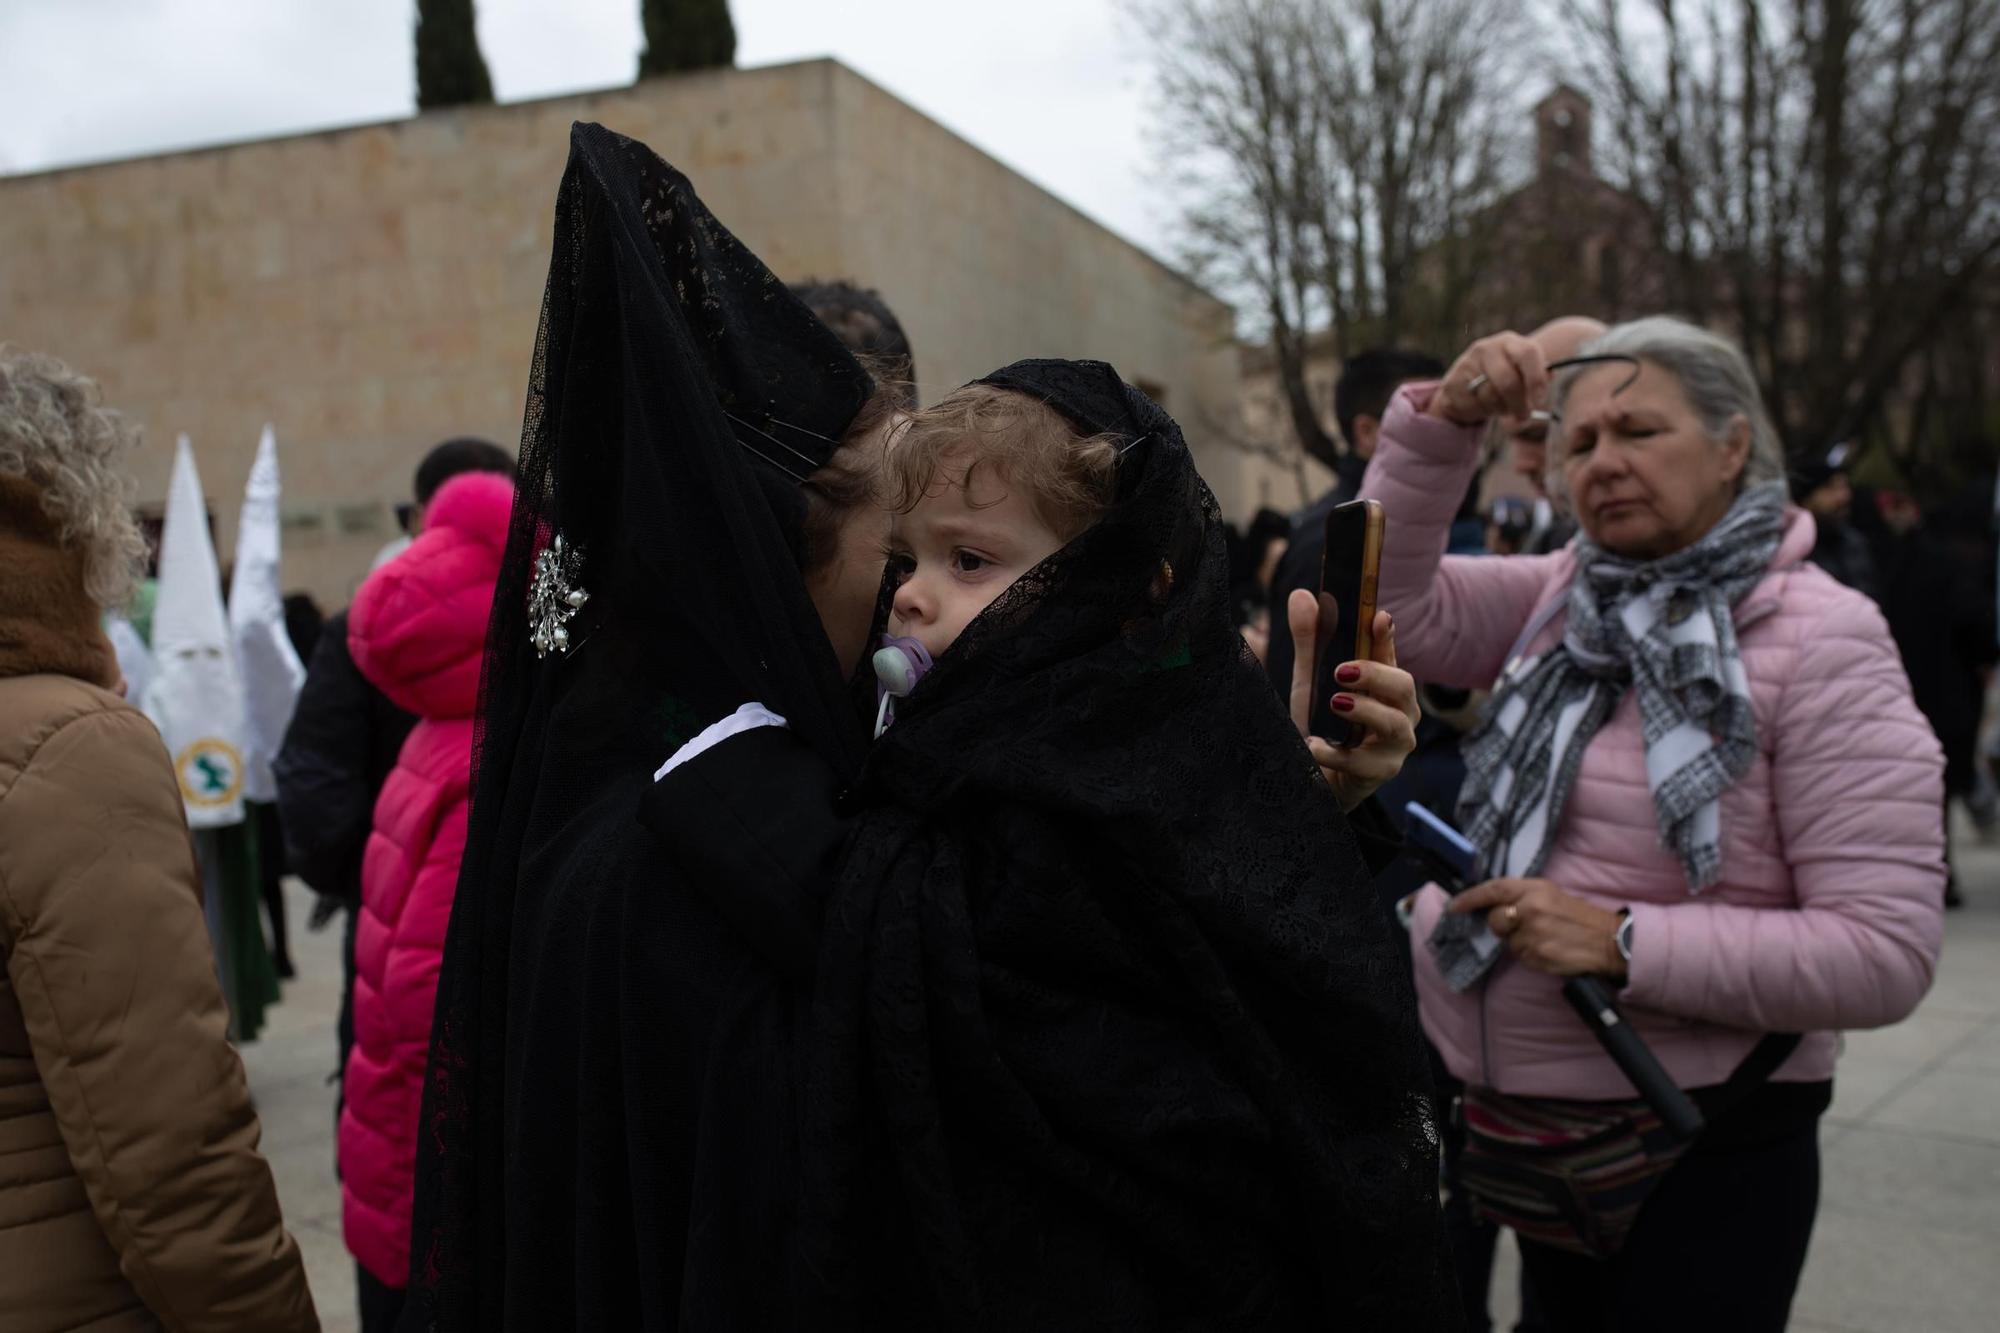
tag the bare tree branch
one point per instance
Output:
(1829, 169)
(1335, 152)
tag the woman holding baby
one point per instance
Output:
(1012, 1018)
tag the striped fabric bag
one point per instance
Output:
(1573, 1174)
(1567, 1174)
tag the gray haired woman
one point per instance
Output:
(132, 1195)
(1701, 778)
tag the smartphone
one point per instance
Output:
(1347, 579)
(1443, 849)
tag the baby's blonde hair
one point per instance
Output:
(1071, 477)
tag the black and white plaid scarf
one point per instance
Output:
(1665, 628)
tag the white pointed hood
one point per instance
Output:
(195, 697)
(266, 662)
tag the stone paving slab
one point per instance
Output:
(1871, 1272)
(1946, 1102)
(1916, 1180)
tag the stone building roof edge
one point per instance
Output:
(386, 122)
(1179, 275)
(836, 67)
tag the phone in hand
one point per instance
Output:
(1347, 578)
(1444, 851)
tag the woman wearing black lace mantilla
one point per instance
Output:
(1016, 1021)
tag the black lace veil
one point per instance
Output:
(678, 396)
(1108, 1029)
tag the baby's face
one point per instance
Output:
(957, 550)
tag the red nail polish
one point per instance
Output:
(1347, 674)
(1343, 703)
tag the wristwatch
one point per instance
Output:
(1623, 936)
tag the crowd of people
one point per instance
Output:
(811, 860)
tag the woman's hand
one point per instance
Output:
(1547, 929)
(1504, 375)
(1376, 696)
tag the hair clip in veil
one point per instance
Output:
(804, 465)
(554, 597)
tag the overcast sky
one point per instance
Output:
(1054, 88)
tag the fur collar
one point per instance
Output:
(47, 623)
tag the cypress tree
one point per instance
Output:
(450, 70)
(686, 34)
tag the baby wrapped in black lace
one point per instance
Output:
(1107, 1031)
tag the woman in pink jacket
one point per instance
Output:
(416, 630)
(1701, 778)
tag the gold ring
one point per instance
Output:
(1476, 383)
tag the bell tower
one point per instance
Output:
(1562, 133)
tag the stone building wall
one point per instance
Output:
(373, 290)
(1025, 273)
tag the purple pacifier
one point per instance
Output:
(899, 664)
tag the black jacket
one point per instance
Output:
(760, 813)
(1843, 552)
(1940, 613)
(342, 743)
(661, 949)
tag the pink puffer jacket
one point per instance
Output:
(1829, 913)
(416, 630)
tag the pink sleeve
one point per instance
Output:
(1456, 616)
(1426, 909)
(1858, 781)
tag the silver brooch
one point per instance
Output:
(553, 597)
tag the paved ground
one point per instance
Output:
(289, 1066)
(1909, 1231)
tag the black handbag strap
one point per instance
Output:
(1757, 1067)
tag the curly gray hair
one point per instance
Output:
(56, 434)
(1714, 375)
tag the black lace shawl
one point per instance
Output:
(1108, 1029)
(678, 394)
